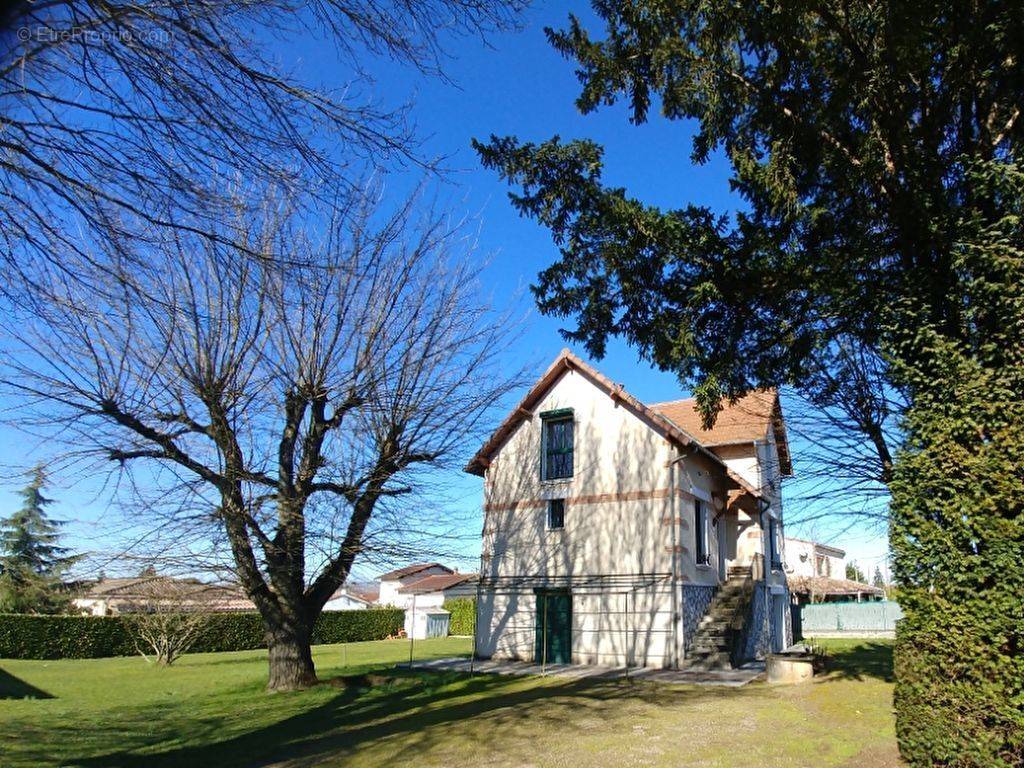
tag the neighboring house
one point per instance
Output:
(424, 613)
(108, 597)
(433, 591)
(809, 558)
(346, 599)
(392, 582)
(817, 574)
(613, 528)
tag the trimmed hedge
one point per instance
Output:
(92, 637)
(63, 637)
(957, 509)
(463, 615)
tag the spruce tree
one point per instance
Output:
(32, 562)
(878, 580)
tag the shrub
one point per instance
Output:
(91, 637)
(358, 626)
(957, 514)
(463, 615)
(63, 637)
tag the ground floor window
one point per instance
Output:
(556, 514)
(700, 527)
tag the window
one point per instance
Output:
(557, 439)
(773, 544)
(556, 514)
(700, 526)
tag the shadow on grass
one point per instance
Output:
(861, 660)
(12, 687)
(411, 712)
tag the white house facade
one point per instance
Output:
(618, 532)
(343, 600)
(393, 582)
(810, 558)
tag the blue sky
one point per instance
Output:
(515, 85)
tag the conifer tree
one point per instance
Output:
(878, 580)
(32, 562)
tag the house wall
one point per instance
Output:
(344, 603)
(425, 600)
(805, 558)
(757, 462)
(628, 511)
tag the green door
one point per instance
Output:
(554, 627)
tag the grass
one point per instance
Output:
(210, 709)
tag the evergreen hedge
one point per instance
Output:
(91, 637)
(957, 530)
(463, 615)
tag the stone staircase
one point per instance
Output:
(719, 628)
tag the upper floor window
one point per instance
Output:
(557, 441)
(700, 526)
(556, 514)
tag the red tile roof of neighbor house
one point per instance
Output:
(409, 570)
(216, 597)
(824, 585)
(654, 417)
(437, 583)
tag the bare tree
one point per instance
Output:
(119, 120)
(276, 405)
(846, 416)
(170, 617)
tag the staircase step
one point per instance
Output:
(709, 647)
(707, 662)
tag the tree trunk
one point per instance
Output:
(291, 660)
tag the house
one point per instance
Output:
(810, 558)
(108, 597)
(817, 574)
(618, 532)
(432, 591)
(391, 583)
(352, 598)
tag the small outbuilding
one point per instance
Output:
(426, 622)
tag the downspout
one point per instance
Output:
(480, 578)
(766, 559)
(676, 586)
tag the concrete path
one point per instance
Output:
(732, 678)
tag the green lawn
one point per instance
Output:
(211, 710)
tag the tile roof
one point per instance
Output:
(824, 585)
(409, 570)
(437, 583)
(750, 418)
(221, 597)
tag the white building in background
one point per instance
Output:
(350, 599)
(392, 582)
(612, 528)
(810, 558)
(817, 574)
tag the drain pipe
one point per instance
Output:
(673, 518)
(766, 559)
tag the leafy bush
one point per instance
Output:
(463, 615)
(91, 637)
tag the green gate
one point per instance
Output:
(554, 627)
